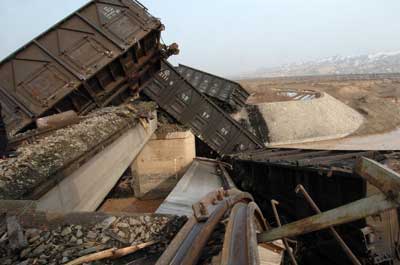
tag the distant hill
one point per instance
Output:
(385, 62)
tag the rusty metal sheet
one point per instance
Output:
(384, 178)
(190, 107)
(216, 87)
(323, 160)
(86, 57)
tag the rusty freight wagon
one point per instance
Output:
(192, 108)
(96, 56)
(229, 94)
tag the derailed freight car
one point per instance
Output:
(190, 107)
(331, 180)
(95, 56)
(227, 92)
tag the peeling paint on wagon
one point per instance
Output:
(88, 59)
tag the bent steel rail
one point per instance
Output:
(240, 243)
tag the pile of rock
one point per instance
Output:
(35, 163)
(65, 243)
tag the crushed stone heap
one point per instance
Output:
(37, 162)
(63, 243)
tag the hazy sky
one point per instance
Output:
(229, 37)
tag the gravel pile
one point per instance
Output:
(37, 162)
(66, 243)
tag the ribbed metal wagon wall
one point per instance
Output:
(190, 107)
(89, 59)
(222, 89)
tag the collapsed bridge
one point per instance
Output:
(109, 53)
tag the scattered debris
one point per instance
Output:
(115, 236)
(112, 253)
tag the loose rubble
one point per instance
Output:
(65, 243)
(37, 162)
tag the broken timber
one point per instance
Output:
(386, 180)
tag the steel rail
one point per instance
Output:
(236, 243)
(187, 246)
(240, 241)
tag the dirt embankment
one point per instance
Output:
(377, 100)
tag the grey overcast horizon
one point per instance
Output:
(231, 37)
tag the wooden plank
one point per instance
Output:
(385, 179)
(344, 214)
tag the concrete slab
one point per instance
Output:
(86, 188)
(200, 179)
(162, 162)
